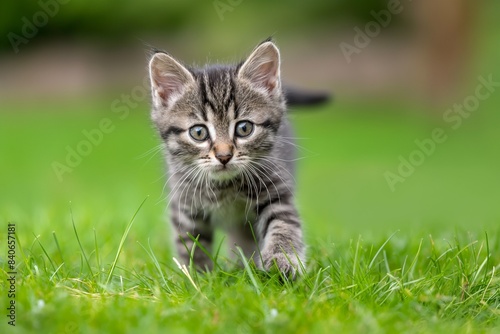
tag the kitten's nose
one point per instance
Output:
(223, 152)
(224, 157)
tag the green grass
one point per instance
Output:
(94, 252)
(397, 285)
(90, 256)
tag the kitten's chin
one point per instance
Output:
(223, 173)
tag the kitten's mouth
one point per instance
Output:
(223, 172)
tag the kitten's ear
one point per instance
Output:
(169, 79)
(262, 68)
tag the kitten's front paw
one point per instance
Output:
(287, 264)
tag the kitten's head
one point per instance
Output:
(218, 119)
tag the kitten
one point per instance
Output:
(230, 153)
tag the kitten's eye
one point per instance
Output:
(243, 129)
(198, 133)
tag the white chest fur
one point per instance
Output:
(232, 214)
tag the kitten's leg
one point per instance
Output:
(199, 227)
(280, 237)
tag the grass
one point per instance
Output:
(93, 253)
(400, 284)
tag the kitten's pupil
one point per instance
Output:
(198, 133)
(244, 129)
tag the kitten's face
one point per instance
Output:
(220, 121)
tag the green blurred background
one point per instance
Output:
(86, 61)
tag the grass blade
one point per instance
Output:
(57, 245)
(97, 256)
(249, 271)
(48, 257)
(79, 243)
(23, 255)
(380, 249)
(122, 241)
(157, 265)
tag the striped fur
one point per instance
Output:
(255, 189)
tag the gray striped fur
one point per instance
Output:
(255, 189)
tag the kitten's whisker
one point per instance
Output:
(199, 177)
(180, 182)
(293, 138)
(196, 180)
(243, 179)
(174, 188)
(166, 182)
(161, 198)
(186, 189)
(164, 175)
(208, 187)
(251, 184)
(249, 189)
(280, 140)
(213, 193)
(154, 150)
(272, 170)
(171, 175)
(263, 168)
(197, 183)
(253, 167)
(180, 208)
(257, 186)
(276, 165)
(286, 160)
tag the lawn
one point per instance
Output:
(93, 244)
(82, 197)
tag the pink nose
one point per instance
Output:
(224, 158)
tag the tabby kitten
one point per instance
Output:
(230, 156)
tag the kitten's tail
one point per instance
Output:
(299, 97)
